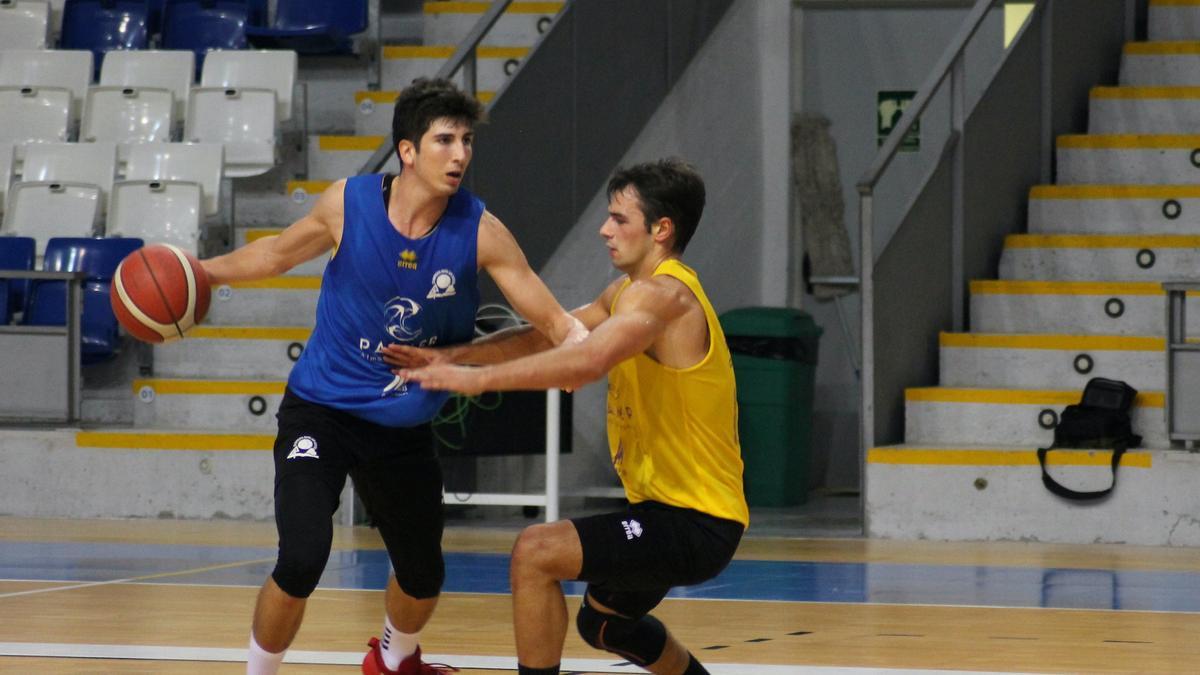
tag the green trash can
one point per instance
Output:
(774, 361)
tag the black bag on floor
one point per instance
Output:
(1099, 420)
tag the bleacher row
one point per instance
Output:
(149, 97)
(306, 26)
(163, 193)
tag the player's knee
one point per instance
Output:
(421, 581)
(639, 640)
(530, 553)
(297, 575)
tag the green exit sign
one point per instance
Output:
(889, 106)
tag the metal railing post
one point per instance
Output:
(866, 250)
(958, 117)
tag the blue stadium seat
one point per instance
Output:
(105, 25)
(257, 16)
(203, 25)
(98, 259)
(16, 253)
(312, 26)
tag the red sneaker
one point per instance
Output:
(412, 665)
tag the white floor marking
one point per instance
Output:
(167, 653)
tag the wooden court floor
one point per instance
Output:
(903, 620)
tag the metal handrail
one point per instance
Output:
(463, 57)
(912, 112)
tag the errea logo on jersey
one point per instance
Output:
(408, 260)
(304, 447)
(632, 528)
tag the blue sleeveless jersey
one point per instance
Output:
(383, 288)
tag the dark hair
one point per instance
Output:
(669, 188)
(426, 100)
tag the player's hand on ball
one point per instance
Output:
(407, 356)
(445, 377)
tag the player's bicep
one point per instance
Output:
(623, 336)
(313, 234)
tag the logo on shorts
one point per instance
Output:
(632, 529)
(305, 446)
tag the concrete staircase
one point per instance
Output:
(198, 426)
(1079, 296)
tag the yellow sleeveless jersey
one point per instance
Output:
(673, 432)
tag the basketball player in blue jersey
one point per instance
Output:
(672, 434)
(406, 253)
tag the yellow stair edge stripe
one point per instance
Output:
(1175, 3)
(1128, 141)
(1115, 192)
(1007, 287)
(1146, 92)
(281, 283)
(312, 187)
(964, 457)
(358, 143)
(481, 7)
(260, 232)
(389, 97)
(376, 96)
(249, 333)
(446, 51)
(1101, 241)
(165, 387)
(1119, 343)
(418, 51)
(1015, 396)
(1163, 48)
(174, 441)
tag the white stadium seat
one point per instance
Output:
(196, 163)
(24, 24)
(84, 163)
(34, 115)
(158, 212)
(127, 115)
(244, 69)
(70, 68)
(166, 69)
(45, 210)
(243, 120)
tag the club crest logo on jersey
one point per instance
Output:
(408, 260)
(401, 315)
(304, 447)
(442, 285)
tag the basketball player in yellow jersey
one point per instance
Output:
(672, 431)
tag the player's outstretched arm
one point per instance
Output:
(498, 347)
(505, 262)
(299, 242)
(643, 312)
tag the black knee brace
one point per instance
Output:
(639, 640)
(303, 505)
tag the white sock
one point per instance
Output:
(396, 646)
(261, 661)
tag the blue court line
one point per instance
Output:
(742, 580)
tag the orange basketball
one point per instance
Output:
(159, 292)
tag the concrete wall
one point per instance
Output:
(727, 114)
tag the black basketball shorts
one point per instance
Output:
(631, 559)
(395, 472)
